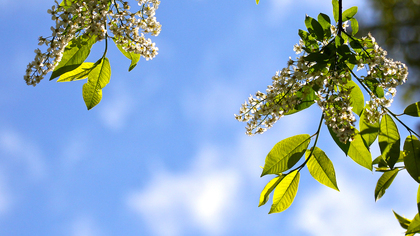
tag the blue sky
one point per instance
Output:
(162, 153)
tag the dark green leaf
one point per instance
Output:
(324, 21)
(368, 131)
(389, 140)
(314, 28)
(285, 192)
(414, 226)
(380, 162)
(134, 57)
(354, 26)
(412, 157)
(306, 97)
(384, 182)
(349, 13)
(74, 55)
(285, 154)
(413, 109)
(268, 189)
(373, 85)
(336, 10)
(404, 222)
(79, 73)
(321, 168)
(97, 80)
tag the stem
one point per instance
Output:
(313, 147)
(395, 116)
(340, 17)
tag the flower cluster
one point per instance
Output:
(294, 84)
(94, 17)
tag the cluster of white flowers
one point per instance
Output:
(93, 17)
(333, 95)
(388, 73)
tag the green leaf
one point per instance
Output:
(418, 199)
(285, 154)
(335, 10)
(74, 55)
(357, 99)
(355, 149)
(414, 226)
(349, 13)
(413, 109)
(314, 28)
(384, 182)
(258, 1)
(79, 73)
(134, 57)
(66, 3)
(373, 85)
(324, 21)
(306, 96)
(354, 26)
(368, 131)
(412, 157)
(268, 189)
(380, 162)
(97, 80)
(389, 140)
(404, 222)
(285, 192)
(321, 168)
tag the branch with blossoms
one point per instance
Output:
(325, 73)
(81, 23)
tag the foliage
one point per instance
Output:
(325, 74)
(79, 25)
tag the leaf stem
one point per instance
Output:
(395, 116)
(340, 17)
(313, 147)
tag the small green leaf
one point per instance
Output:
(285, 192)
(97, 80)
(384, 182)
(354, 26)
(321, 168)
(380, 162)
(134, 57)
(418, 199)
(357, 99)
(373, 85)
(414, 226)
(349, 13)
(258, 1)
(389, 140)
(412, 157)
(79, 73)
(268, 189)
(314, 28)
(404, 222)
(355, 149)
(285, 154)
(335, 10)
(413, 109)
(74, 55)
(368, 131)
(324, 21)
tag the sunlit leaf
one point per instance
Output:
(418, 199)
(368, 131)
(324, 21)
(384, 182)
(357, 99)
(285, 192)
(74, 55)
(336, 10)
(314, 28)
(79, 73)
(389, 140)
(413, 109)
(404, 222)
(285, 154)
(355, 149)
(354, 26)
(268, 189)
(258, 1)
(414, 226)
(306, 96)
(134, 57)
(412, 157)
(321, 168)
(349, 13)
(97, 80)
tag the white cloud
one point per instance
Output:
(197, 199)
(84, 226)
(24, 151)
(116, 110)
(5, 196)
